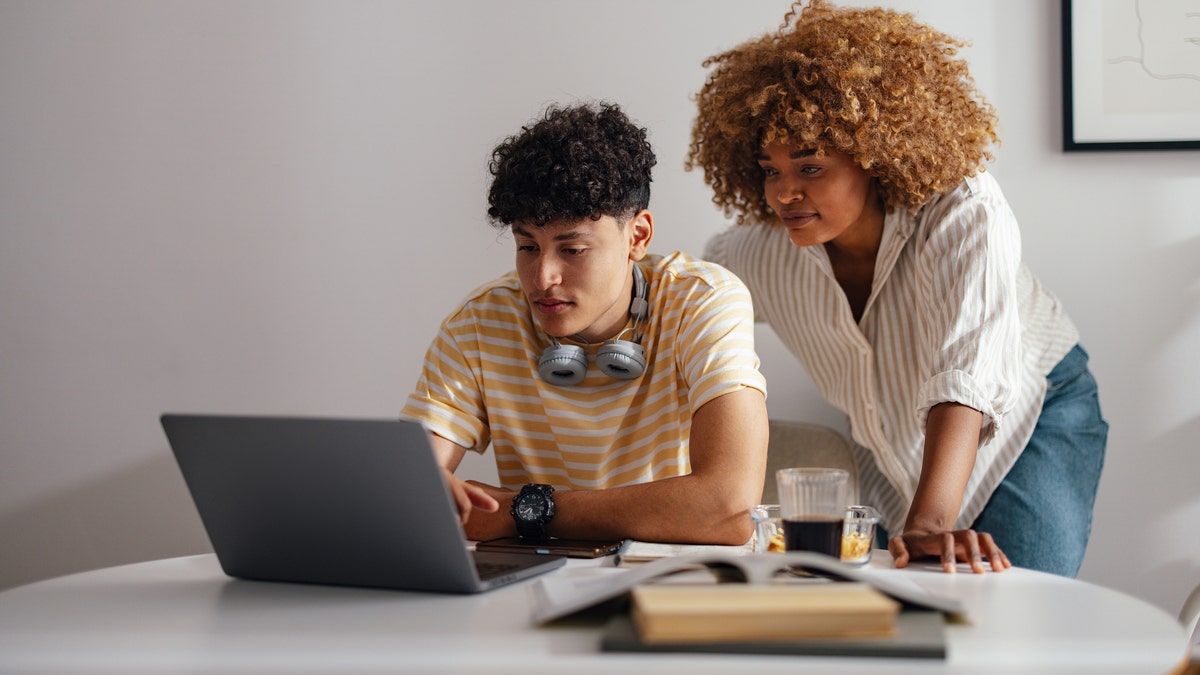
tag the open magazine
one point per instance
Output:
(557, 596)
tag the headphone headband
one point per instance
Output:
(639, 307)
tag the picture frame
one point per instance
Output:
(1131, 75)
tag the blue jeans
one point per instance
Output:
(1041, 513)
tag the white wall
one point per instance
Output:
(268, 206)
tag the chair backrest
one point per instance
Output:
(803, 444)
(1189, 616)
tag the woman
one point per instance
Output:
(851, 144)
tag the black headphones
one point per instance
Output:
(566, 365)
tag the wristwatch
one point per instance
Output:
(532, 509)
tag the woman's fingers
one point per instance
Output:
(949, 559)
(899, 551)
(949, 548)
(995, 556)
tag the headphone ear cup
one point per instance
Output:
(563, 365)
(621, 359)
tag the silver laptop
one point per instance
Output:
(333, 501)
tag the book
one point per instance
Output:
(919, 634)
(558, 596)
(733, 612)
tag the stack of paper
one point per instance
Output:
(637, 552)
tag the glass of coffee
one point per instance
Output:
(812, 504)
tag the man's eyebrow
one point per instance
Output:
(795, 154)
(562, 236)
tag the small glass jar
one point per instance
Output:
(768, 528)
(858, 534)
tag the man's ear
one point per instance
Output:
(641, 231)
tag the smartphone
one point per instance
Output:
(572, 548)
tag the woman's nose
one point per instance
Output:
(789, 191)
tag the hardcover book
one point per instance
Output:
(920, 634)
(732, 612)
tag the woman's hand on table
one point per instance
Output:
(966, 546)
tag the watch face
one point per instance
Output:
(531, 506)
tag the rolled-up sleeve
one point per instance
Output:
(969, 277)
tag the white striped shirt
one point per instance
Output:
(480, 383)
(953, 316)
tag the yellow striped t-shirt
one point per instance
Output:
(480, 384)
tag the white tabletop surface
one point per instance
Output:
(185, 615)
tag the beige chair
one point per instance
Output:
(803, 444)
(1189, 616)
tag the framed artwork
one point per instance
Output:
(1131, 74)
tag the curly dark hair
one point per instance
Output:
(585, 161)
(872, 83)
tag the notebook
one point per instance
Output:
(333, 501)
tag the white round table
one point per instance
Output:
(185, 615)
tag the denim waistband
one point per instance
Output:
(1074, 364)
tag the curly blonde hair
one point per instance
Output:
(872, 83)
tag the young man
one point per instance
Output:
(619, 390)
